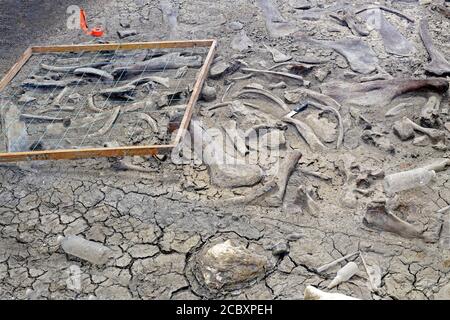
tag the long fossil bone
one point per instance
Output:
(265, 93)
(335, 262)
(73, 68)
(108, 124)
(438, 64)
(381, 92)
(93, 72)
(434, 134)
(307, 133)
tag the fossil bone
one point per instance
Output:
(394, 42)
(360, 56)
(173, 60)
(307, 133)
(93, 72)
(378, 217)
(266, 94)
(149, 120)
(277, 55)
(51, 83)
(349, 18)
(381, 92)
(344, 274)
(73, 68)
(429, 116)
(434, 134)
(285, 169)
(108, 124)
(312, 293)
(276, 73)
(438, 65)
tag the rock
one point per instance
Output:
(209, 93)
(277, 55)
(241, 42)
(294, 236)
(321, 74)
(236, 25)
(403, 130)
(421, 141)
(280, 249)
(228, 266)
(235, 175)
(126, 33)
(219, 69)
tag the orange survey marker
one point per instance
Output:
(95, 32)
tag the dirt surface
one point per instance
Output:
(163, 227)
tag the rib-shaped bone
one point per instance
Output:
(344, 274)
(438, 64)
(397, 109)
(51, 83)
(434, 134)
(108, 124)
(266, 94)
(382, 92)
(378, 218)
(307, 133)
(285, 169)
(152, 122)
(93, 72)
(335, 262)
(26, 117)
(387, 9)
(373, 274)
(73, 68)
(173, 60)
(255, 195)
(276, 73)
(312, 293)
(394, 42)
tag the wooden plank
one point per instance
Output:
(67, 154)
(15, 68)
(124, 46)
(195, 94)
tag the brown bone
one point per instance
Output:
(380, 92)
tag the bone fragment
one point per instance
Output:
(438, 64)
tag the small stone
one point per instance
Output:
(126, 33)
(277, 55)
(236, 25)
(218, 69)
(280, 249)
(209, 93)
(403, 130)
(294, 236)
(321, 74)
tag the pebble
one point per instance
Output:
(280, 249)
(126, 33)
(209, 93)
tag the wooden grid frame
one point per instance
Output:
(65, 154)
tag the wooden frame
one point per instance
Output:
(116, 151)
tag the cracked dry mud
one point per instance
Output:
(160, 224)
